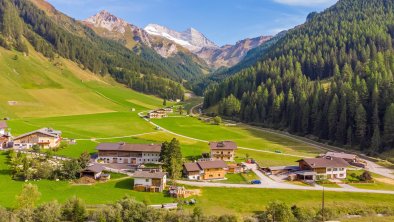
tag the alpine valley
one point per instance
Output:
(103, 120)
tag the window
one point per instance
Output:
(219, 174)
(146, 180)
(329, 169)
(335, 169)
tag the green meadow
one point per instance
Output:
(92, 109)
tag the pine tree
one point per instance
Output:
(389, 125)
(361, 124)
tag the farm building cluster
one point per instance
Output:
(160, 113)
(44, 138)
(328, 166)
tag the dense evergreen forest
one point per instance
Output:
(21, 21)
(331, 78)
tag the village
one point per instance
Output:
(144, 163)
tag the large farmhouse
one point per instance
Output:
(322, 168)
(45, 138)
(205, 170)
(224, 150)
(125, 153)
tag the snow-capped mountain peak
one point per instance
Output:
(191, 39)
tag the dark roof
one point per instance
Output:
(3, 125)
(46, 131)
(94, 168)
(212, 164)
(341, 155)
(223, 145)
(144, 174)
(284, 168)
(191, 167)
(202, 165)
(129, 147)
(325, 162)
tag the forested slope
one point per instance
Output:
(331, 77)
(59, 35)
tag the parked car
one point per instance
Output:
(255, 182)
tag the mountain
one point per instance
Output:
(54, 34)
(230, 55)
(111, 27)
(331, 79)
(196, 42)
(190, 39)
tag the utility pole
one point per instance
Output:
(322, 206)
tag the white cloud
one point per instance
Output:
(308, 3)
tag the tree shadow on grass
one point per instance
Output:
(126, 184)
(5, 172)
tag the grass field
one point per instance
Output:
(94, 109)
(243, 136)
(246, 201)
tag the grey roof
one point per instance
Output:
(3, 125)
(284, 168)
(341, 155)
(46, 131)
(129, 147)
(306, 173)
(223, 145)
(94, 168)
(325, 162)
(144, 174)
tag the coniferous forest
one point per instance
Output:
(330, 78)
(21, 22)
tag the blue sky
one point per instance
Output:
(222, 21)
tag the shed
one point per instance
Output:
(94, 171)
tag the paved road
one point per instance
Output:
(375, 168)
(268, 182)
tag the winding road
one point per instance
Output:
(268, 182)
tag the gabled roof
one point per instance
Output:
(94, 168)
(3, 125)
(212, 164)
(325, 162)
(341, 155)
(45, 131)
(223, 145)
(202, 165)
(149, 175)
(191, 167)
(129, 147)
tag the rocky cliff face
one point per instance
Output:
(230, 55)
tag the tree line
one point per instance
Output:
(331, 78)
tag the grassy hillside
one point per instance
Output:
(32, 86)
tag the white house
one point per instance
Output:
(133, 154)
(150, 181)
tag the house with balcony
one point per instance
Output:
(223, 150)
(205, 170)
(150, 181)
(46, 138)
(125, 153)
(314, 169)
